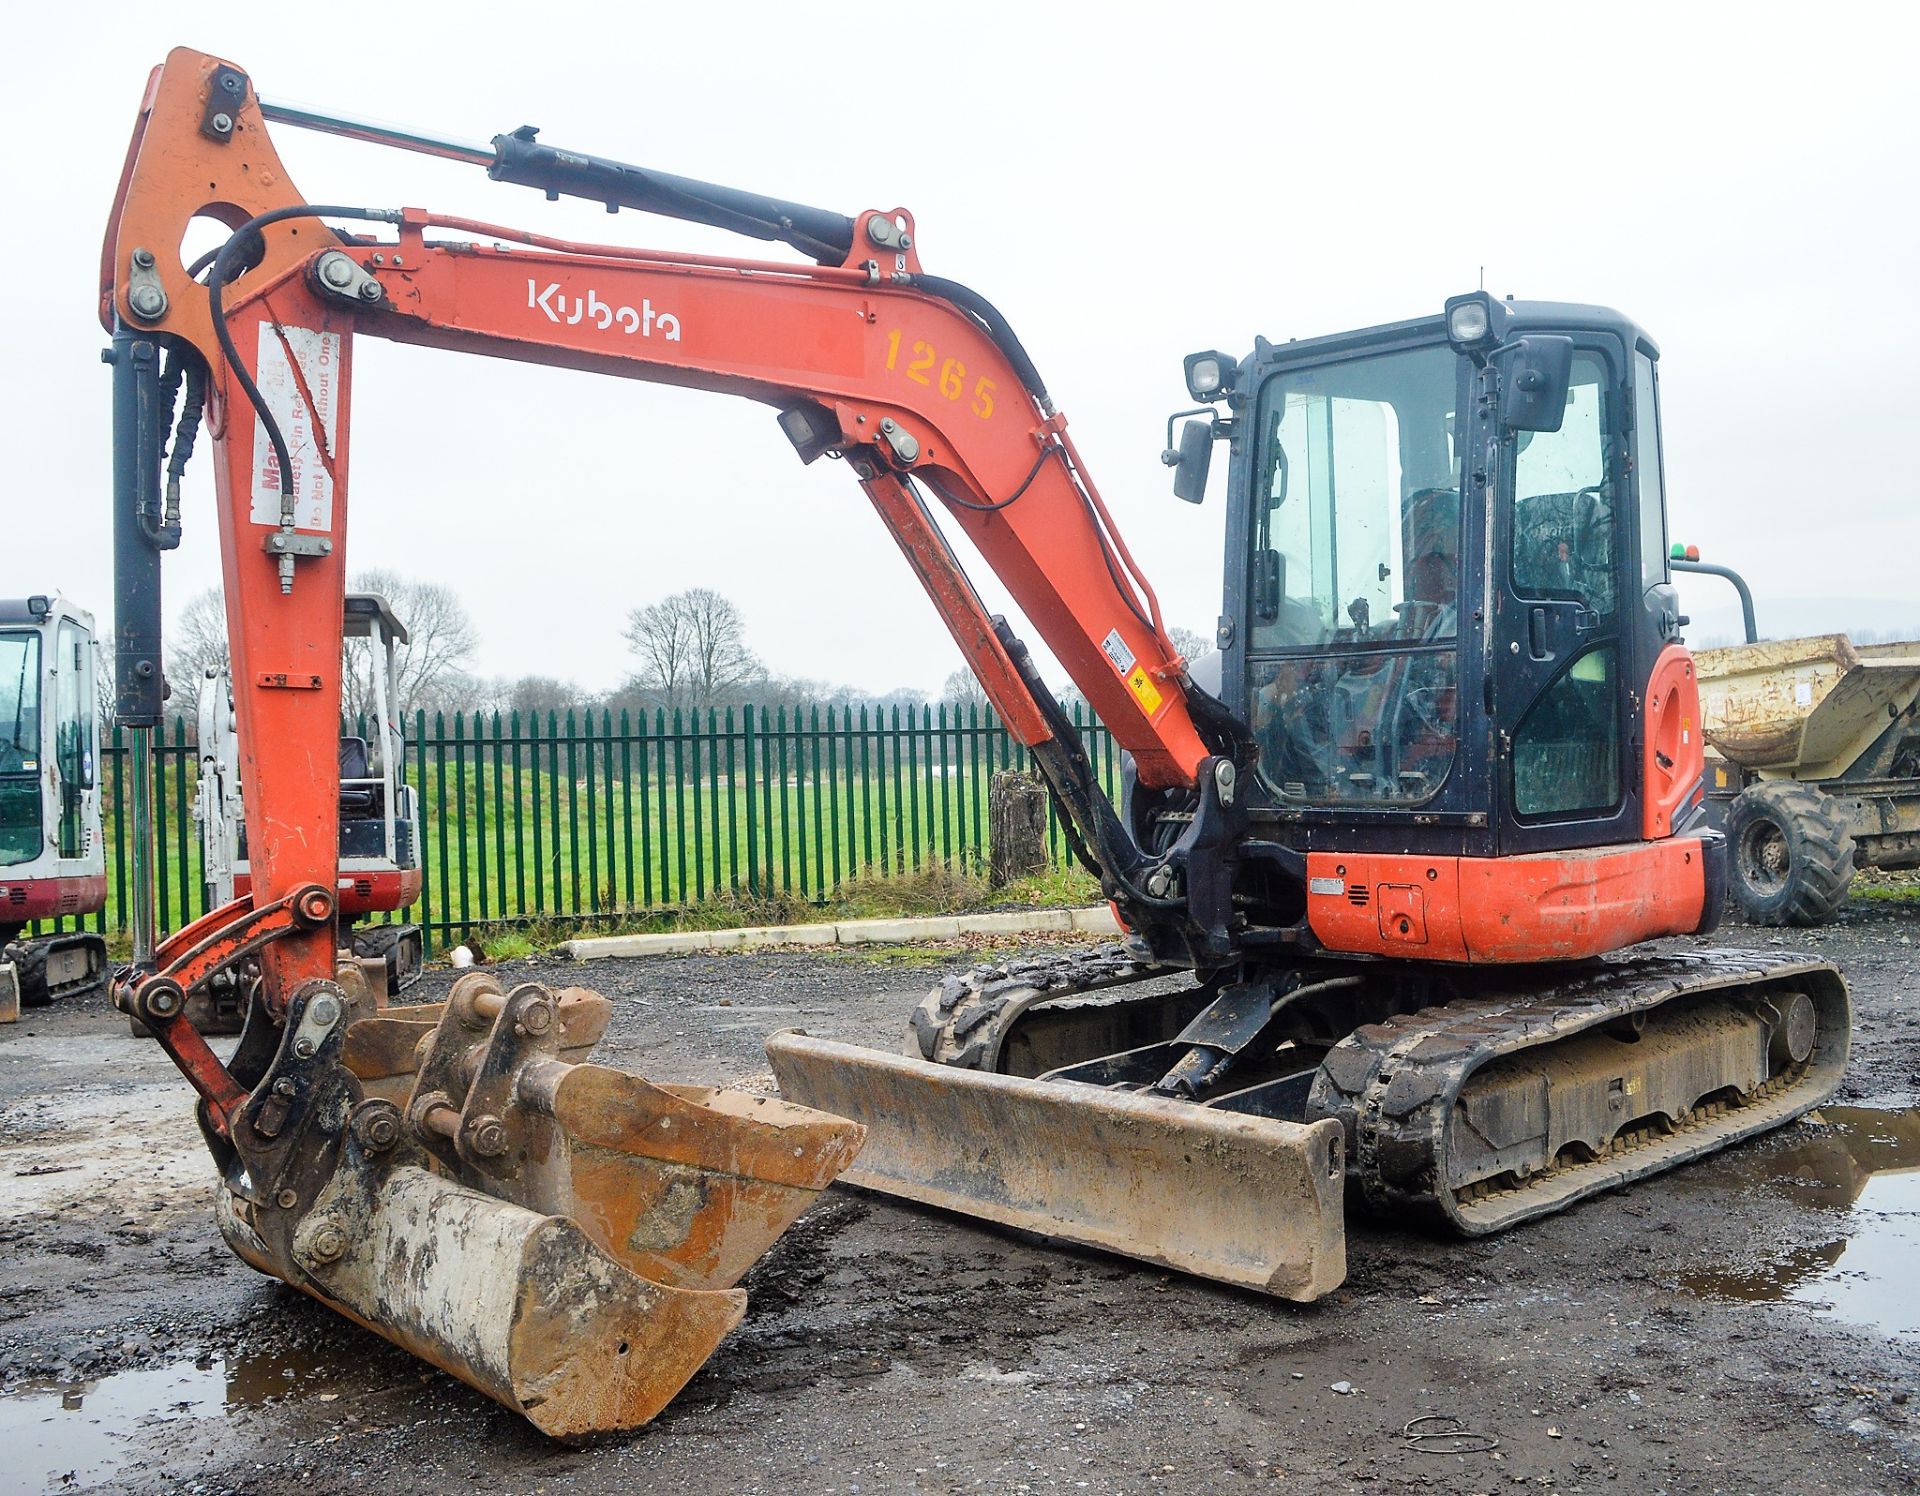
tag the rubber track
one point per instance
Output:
(962, 1021)
(1393, 1084)
(29, 958)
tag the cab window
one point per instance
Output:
(20, 835)
(1564, 499)
(1646, 466)
(73, 734)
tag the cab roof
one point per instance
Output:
(1528, 316)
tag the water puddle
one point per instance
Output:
(1859, 1168)
(65, 1436)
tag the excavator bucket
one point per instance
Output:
(561, 1235)
(1247, 1200)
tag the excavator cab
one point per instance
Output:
(1397, 547)
(52, 858)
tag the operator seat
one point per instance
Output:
(356, 800)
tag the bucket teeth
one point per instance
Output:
(563, 1236)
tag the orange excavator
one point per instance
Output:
(1374, 877)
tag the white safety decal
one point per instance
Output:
(1115, 649)
(319, 356)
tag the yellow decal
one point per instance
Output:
(952, 378)
(1144, 688)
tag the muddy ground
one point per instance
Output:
(1662, 1338)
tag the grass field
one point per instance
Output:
(583, 822)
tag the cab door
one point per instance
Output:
(75, 733)
(1562, 613)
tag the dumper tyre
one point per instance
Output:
(1793, 854)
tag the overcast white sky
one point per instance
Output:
(1127, 186)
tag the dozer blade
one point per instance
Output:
(563, 1236)
(1246, 1200)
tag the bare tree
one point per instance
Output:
(693, 650)
(661, 636)
(963, 689)
(537, 695)
(441, 639)
(1191, 644)
(196, 644)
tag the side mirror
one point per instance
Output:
(1535, 372)
(1191, 462)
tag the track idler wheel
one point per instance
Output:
(563, 1236)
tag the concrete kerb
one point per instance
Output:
(1097, 920)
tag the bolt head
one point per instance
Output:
(538, 1018)
(143, 258)
(487, 1136)
(286, 1199)
(328, 1244)
(380, 1131)
(223, 123)
(303, 1048)
(148, 301)
(370, 290)
(324, 1010)
(337, 271)
(165, 1000)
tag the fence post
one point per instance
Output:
(460, 810)
(699, 825)
(733, 809)
(519, 812)
(626, 795)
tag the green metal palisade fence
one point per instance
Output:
(582, 816)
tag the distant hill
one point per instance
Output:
(1866, 620)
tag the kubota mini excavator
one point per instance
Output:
(1453, 760)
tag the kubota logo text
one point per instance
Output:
(574, 310)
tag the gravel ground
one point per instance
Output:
(892, 1349)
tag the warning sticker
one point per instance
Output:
(319, 369)
(1115, 649)
(1143, 687)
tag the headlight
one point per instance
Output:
(1467, 323)
(1207, 374)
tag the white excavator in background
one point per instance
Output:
(379, 818)
(52, 858)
